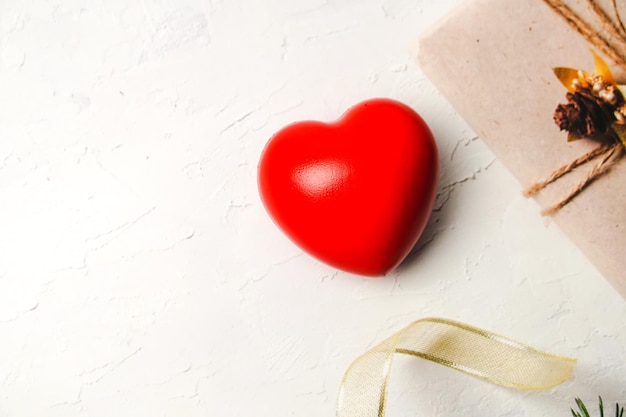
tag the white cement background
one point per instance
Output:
(140, 275)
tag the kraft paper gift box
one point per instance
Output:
(493, 60)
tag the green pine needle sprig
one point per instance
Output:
(582, 409)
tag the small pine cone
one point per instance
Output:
(584, 114)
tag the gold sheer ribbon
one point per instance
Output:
(477, 352)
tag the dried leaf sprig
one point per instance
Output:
(595, 109)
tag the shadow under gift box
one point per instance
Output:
(493, 60)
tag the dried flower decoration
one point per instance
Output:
(595, 105)
(596, 110)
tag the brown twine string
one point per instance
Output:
(558, 173)
(608, 24)
(587, 31)
(619, 18)
(609, 158)
(610, 153)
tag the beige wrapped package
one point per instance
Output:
(493, 61)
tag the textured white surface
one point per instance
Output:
(140, 275)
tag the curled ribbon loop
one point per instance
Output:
(477, 352)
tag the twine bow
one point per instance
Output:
(608, 153)
(477, 352)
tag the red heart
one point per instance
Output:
(356, 193)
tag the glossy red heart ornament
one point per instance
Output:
(357, 193)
